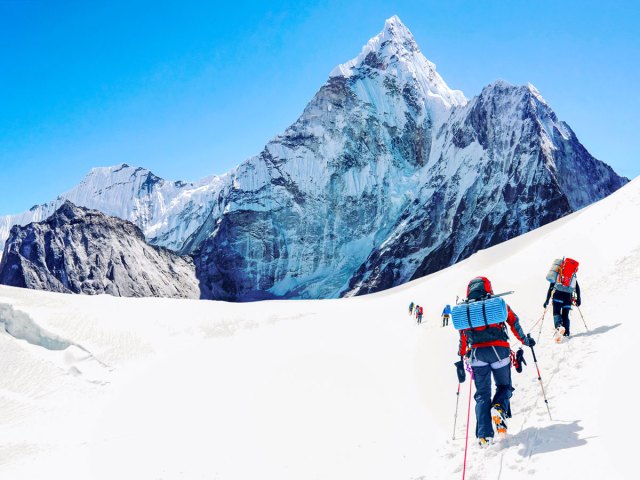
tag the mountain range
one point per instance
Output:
(388, 175)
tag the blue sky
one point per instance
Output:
(192, 88)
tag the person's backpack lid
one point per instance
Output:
(478, 288)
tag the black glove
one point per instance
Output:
(460, 370)
(529, 341)
(520, 360)
(545, 304)
(578, 302)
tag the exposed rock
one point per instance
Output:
(77, 250)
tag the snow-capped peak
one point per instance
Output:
(121, 172)
(394, 28)
(394, 52)
(395, 42)
(500, 87)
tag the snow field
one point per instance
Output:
(352, 388)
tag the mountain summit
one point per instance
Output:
(395, 55)
(387, 175)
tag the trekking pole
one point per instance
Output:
(455, 417)
(541, 319)
(585, 323)
(466, 441)
(535, 360)
(544, 313)
(541, 323)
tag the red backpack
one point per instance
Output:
(567, 275)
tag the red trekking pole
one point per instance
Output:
(466, 441)
(543, 315)
(541, 319)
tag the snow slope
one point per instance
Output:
(103, 387)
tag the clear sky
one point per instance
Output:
(191, 88)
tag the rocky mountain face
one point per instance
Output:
(387, 175)
(77, 250)
(505, 165)
(302, 216)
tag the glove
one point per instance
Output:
(545, 304)
(460, 370)
(529, 341)
(578, 302)
(520, 360)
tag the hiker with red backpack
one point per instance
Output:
(563, 286)
(482, 320)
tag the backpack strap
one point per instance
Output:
(469, 316)
(484, 314)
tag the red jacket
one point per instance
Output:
(495, 335)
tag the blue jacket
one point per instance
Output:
(447, 310)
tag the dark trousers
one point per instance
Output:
(482, 377)
(445, 320)
(561, 315)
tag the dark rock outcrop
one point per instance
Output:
(77, 250)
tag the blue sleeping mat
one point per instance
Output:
(479, 314)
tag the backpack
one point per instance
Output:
(552, 276)
(479, 313)
(563, 274)
(481, 308)
(492, 333)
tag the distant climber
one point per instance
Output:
(486, 349)
(446, 315)
(411, 308)
(419, 313)
(565, 292)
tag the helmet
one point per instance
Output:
(479, 287)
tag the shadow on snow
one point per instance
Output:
(597, 331)
(551, 438)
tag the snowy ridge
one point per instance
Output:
(275, 381)
(167, 212)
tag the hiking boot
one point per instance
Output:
(558, 334)
(485, 442)
(499, 417)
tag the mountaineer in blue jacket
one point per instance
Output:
(446, 315)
